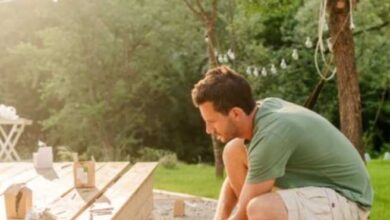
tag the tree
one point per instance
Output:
(208, 20)
(347, 78)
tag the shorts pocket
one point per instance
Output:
(315, 203)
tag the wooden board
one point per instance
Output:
(14, 170)
(27, 176)
(77, 200)
(51, 186)
(46, 184)
(131, 197)
(4, 166)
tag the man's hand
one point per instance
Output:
(250, 191)
(226, 202)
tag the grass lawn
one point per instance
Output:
(200, 180)
(191, 179)
(380, 177)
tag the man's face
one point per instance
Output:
(218, 124)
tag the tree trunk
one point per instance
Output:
(347, 78)
(209, 20)
(217, 145)
(218, 162)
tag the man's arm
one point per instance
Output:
(226, 202)
(250, 191)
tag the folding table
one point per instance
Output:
(10, 131)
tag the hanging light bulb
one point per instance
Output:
(326, 27)
(263, 72)
(352, 25)
(273, 69)
(248, 70)
(308, 43)
(220, 58)
(231, 54)
(283, 64)
(329, 43)
(225, 58)
(295, 55)
(256, 72)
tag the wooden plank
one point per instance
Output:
(14, 170)
(143, 210)
(131, 197)
(53, 185)
(4, 121)
(30, 176)
(138, 207)
(17, 173)
(77, 200)
(4, 166)
(47, 184)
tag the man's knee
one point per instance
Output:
(267, 206)
(234, 150)
(257, 207)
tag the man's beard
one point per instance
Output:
(231, 132)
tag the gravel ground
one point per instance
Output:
(195, 208)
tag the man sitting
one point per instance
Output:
(275, 143)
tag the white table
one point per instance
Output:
(10, 131)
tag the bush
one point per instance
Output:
(150, 154)
(169, 161)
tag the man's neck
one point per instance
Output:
(250, 122)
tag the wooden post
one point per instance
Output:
(179, 207)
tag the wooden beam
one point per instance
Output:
(71, 205)
(46, 184)
(131, 197)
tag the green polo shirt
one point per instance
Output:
(298, 147)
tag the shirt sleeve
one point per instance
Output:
(267, 157)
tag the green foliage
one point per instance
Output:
(166, 158)
(269, 34)
(64, 153)
(169, 161)
(108, 78)
(151, 154)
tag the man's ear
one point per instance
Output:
(236, 112)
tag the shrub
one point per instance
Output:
(169, 161)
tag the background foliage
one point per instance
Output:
(109, 78)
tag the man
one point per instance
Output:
(275, 143)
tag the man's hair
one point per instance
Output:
(225, 89)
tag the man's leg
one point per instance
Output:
(235, 160)
(320, 203)
(266, 207)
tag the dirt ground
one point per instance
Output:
(195, 208)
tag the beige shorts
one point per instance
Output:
(312, 203)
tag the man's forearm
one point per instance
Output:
(226, 202)
(241, 211)
(241, 207)
(248, 192)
